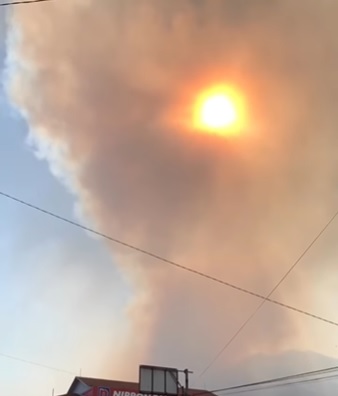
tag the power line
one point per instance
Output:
(22, 2)
(279, 381)
(165, 260)
(35, 364)
(277, 385)
(292, 379)
(267, 298)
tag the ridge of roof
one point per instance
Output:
(107, 382)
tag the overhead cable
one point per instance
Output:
(14, 3)
(279, 381)
(267, 298)
(30, 362)
(167, 261)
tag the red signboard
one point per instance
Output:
(104, 391)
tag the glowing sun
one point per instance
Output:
(219, 110)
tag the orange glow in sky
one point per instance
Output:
(219, 110)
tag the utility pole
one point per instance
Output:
(186, 387)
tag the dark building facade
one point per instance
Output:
(83, 386)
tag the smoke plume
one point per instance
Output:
(104, 85)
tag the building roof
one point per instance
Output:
(121, 385)
(109, 383)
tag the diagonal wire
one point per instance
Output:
(280, 381)
(22, 2)
(273, 382)
(35, 364)
(167, 261)
(277, 385)
(267, 298)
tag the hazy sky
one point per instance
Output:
(91, 105)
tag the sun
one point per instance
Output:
(219, 110)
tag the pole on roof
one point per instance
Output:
(186, 387)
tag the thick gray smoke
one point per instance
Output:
(103, 83)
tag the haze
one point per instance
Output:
(94, 94)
